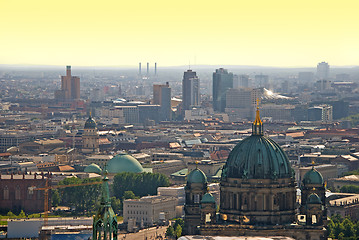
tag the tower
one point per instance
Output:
(90, 137)
(222, 81)
(162, 97)
(105, 221)
(190, 90)
(195, 189)
(323, 71)
(70, 86)
(313, 198)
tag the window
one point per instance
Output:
(17, 193)
(6, 193)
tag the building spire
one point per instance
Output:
(257, 127)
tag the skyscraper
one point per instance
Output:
(222, 81)
(162, 97)
(322, 70)
(70, 87)
(190, 90)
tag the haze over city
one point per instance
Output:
(112, 33)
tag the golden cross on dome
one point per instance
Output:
(257, 102)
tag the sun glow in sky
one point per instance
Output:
(172, 32)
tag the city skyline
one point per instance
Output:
(276, 33)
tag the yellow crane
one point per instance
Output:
(46, 194)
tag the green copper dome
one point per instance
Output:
(93, 168)
(257, 157)
(90, 123)
(123, 163)
(208, 198)
(314, 199)
(313, 177)
(196, 176)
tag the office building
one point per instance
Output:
(222, 81)
(162, 97)
(262, 81)
(322, 70)
(190, 90)
(70, 87)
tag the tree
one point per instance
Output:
(348, 226)
(129, 195)
(81, 197)
(178, 231)
(178, 222)
(141, 184)
(22, 214)
(170, 232)
(11, 214)
(115, 204)
(55, 198)
(349, 189)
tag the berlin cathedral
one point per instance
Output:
(257, 195)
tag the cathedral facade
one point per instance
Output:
(258, 195)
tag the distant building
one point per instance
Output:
(322, 113)
(222, 81)
(261, 81)
(322, 70)
(240, 81)
(306, 77)
(17, 192)
(90, 137)
(162, 97)
(147, 210)
(70, 87)
(149, 112)
(190, 90)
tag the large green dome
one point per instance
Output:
(313, 177)
(90, 123)
(123, 163)
(196, 176)
(257, 157)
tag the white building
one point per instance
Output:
(323, 70)
(147, 210)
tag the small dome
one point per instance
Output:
(314, 199)
(93, 168)
(123, 163)
(90, 123)
(313, 177)
(208, 198)
(196, 176)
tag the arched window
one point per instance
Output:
(6, 193)
(17, 193)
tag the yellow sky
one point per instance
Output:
(172, 32)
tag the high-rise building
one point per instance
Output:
(190, 90)
(162, 97)
(222, 81)
(322, 70)
(262, 80)
(70, 87)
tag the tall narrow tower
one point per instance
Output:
(90, 137)
(139, 70)
(148, 70)
(70, 86)
(105, 221)
(190, 90)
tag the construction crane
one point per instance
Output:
(46, 194)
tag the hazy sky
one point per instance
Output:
(172, 32)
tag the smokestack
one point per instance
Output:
(155, 69)
(68, 70)
(148, 69)
(139, 69)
